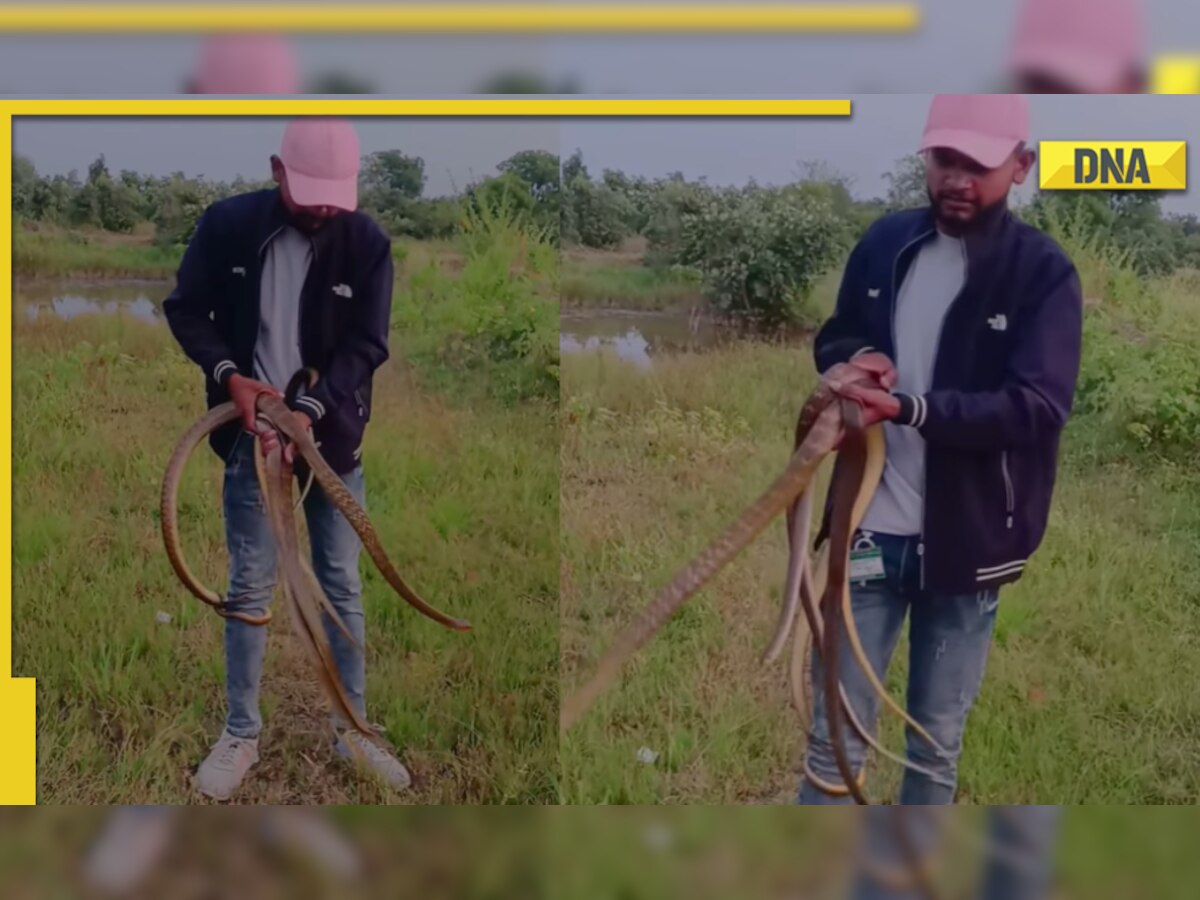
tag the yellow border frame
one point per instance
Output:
(18, 772)
(618, 18)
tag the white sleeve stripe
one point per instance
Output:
(312, 404)
(220, 369)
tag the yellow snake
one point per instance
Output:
(303, 593)
(821, 426)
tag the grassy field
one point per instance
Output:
(42, 251)
(573, 853)
(463, 489)
(773, 854)
(1088, 695)
(600, 279)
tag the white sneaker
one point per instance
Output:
(134, 840)
(312, 837)
(357, 747)
(231, 757)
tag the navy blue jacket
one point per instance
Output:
(345, 311)
(1003, 385)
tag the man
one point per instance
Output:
(971, 322)
(1019, 850)
(1079, 47)
(245, 64)
(273, 281)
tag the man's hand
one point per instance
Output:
(879, 365)
(878, 406)
(270, 438)
(244, 392)
(875, 365)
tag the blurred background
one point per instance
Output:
(568, 853)
(1075, 45)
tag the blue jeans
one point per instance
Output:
(1018, 862)
(252, 574)
(949, 640)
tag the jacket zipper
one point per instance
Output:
(359, 400)
(937, 352)
(258, 294)
(1010, 494)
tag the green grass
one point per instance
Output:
(463, 492)
(1088, 695)
(628, 287)
(773, 854)
(53, 253)
(43, 251)
(573, 853)
(593, 279)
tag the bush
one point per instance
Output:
(760, 252)
(498, 317)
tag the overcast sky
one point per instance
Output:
(882, 129)
(960, 46)
(455, 152)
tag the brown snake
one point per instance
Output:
(824, 422)
(303, 593)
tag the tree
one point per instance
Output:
(395, 174)
(574, 168)
(25, 183)
(760, 251)
(906, 184)
(516, 81)
(537, 168)
(391, 183)
(338, 82)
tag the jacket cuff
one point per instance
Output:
(223, 371)
(862, 350)
(913, 409)
(310, 406)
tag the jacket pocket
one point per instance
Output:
(362, 406)
(1010, 494)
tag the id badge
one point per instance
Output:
(866, 565)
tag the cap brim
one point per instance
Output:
(341, 193)
(1093, 73)
(985, 149)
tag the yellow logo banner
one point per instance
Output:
(1113, 165)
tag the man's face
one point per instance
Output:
(309, 219)
(961, 188)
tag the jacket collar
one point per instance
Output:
(982, 239)
(273, 216)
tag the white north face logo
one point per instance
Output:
(343, 290)
(873, 292)
(239, 270)
(999, 323)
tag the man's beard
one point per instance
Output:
(306, 222)
(955, 223)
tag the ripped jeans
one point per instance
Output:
(949, 639)
(252, 576)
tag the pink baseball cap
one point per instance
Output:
(1091, 44)
(246, 64)
(321, 158)
(985, 127)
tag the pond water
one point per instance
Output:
(140, 299)
(637, 337)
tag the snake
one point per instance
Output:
(304, 596)
(827, 423)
